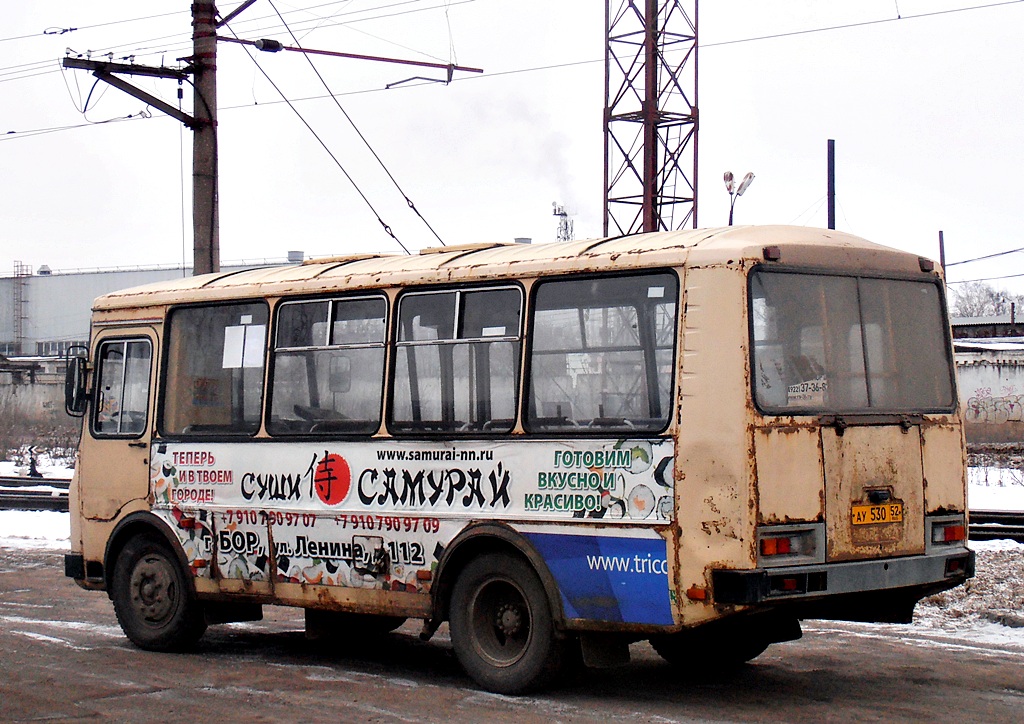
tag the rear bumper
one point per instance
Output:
(910, 577)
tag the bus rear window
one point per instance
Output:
(214, 382)
(847, 344)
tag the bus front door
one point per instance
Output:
(114, 471)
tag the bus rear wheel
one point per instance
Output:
(154, 603)
(501, 625)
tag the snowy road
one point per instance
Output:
(66, 659)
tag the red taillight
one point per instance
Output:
(949, 533)
(776, 546)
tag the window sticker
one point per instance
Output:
(243, 346)
(808, 393)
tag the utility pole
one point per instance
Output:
(203, 67)
(831, 191)
(205, 200)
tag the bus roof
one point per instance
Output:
(734, 245)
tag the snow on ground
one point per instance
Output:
(995, 488)
(34, 529)
(988, 608)
(44, 465)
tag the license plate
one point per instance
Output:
(874, 514)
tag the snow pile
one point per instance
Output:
(35, 529)
(995, 594)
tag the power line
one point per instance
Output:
(861, 24)
(54, 30)
(360, 133)
(517, 71)
(987, 256)
(985, 279)
(330, 153)
(141, 51)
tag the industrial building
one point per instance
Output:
(44, 312)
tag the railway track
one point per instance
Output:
(52, 494)
(995, 525)
(34, 493)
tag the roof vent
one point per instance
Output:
(296, 257)
(44, 271)
(523, 240)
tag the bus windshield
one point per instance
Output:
(842, 344)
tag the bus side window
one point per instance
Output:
(457, 361)
(215, 360)
(602, 353)
(122, 386)
(328, 366)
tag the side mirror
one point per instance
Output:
(76, 395)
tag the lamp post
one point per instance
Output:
(736, 191)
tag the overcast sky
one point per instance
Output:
(926, 113)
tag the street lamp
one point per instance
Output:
(736, 191)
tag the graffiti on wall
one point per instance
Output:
(988, 408)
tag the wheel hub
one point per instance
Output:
(152, 590)
(509, 619)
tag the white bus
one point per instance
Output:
(696, 437)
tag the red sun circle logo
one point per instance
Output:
(332, 479)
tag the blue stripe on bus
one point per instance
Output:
(600, 578)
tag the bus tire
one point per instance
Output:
(501, 625)
(155, 605)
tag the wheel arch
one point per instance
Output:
(140, 523)
(482, 538)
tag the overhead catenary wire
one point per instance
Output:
(330, 153)
(359, 133)
(157, 50)
(184, 41)
(985, 279)
(54, 30)
(987, 256)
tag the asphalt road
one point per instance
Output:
(63, 658)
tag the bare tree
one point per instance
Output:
(979, 299)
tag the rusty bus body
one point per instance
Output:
(696, 437)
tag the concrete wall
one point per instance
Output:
(992, 395)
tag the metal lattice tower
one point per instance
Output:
(22, 272)
(650, 115)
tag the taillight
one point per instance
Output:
(777, 545)
(791, 545)
(949, 532)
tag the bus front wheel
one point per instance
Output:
(501, 625)
(154, 603)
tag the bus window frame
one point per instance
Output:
(395, 345)
(271, 359)
(212, 435)
(94, 397)
(587, 432)
(873, 413)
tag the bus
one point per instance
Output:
(698, 438)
